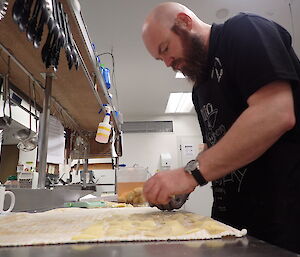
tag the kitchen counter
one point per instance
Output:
(39, 200)
(239, 247)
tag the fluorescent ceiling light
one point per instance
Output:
(179, 103)
(179, 75)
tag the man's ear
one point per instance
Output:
(184, 21)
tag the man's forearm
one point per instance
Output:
(258, 127)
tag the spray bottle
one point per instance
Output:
(104, 127)
(106, 75)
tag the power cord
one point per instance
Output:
(113, 74)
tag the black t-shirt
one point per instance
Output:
(246, 53)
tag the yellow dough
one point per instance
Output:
(133, 197)
(95, 231)
(74, 225)
(156, 225)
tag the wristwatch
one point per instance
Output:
(192, 167)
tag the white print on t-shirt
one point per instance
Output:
(217, 69)
(236, 177)
(212, 136)
(209, 115)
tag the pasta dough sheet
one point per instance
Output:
(75, 225)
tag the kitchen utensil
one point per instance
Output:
(67, 43)
(69, 46)
(23, 19)
(45, 50)
(44, 17)
(73, 49)
(3, 8)
(30, 32)
(28, 139)
(52, 22)
(54, 40)
(28, 144)
(96, 204)
(175, 203)
(118, 145)
(58, 7)
(17, 10)
(6, 120)
(61, 38)
(22, 134)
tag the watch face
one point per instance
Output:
(191, 165)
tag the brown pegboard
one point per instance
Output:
(95, 149)
(71, 88)
(97, 166)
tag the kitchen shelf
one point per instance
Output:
(73, 90)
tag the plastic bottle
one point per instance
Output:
(106, 76)
(104, 128)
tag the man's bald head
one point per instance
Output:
(171, 33)
(165, 14)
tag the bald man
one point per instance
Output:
(247, 97)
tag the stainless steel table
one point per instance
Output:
(234, 247)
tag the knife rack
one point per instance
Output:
(73, 90)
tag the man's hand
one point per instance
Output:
(161, 187)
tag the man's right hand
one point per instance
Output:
(160, 188)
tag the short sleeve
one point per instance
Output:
(258, 53)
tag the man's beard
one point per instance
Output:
(195, 55)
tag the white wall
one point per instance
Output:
(20, 115)
(144, 149)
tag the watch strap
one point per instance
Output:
(196, 173)
(198, 177)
